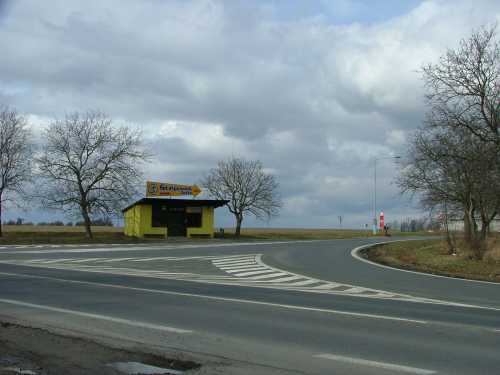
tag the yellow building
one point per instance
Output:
(150, 217)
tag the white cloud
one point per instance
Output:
(207, 79)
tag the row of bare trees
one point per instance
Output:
(84, 165)
(453, 162)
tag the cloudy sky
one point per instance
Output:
(314, 89)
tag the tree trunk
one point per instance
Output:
(239, 219)
(88, 222)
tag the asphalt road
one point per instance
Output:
(259, 308)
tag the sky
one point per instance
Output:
(316, 90)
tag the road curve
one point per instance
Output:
(214, 303)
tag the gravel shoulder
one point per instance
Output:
(26, 350)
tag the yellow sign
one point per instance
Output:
(160, 189)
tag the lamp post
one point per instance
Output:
(375, 221)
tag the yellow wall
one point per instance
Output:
(138, 222)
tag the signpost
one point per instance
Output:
(160, 189)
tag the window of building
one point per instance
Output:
(193, 217)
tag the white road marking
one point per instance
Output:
(238, 263)
(226, 299)
(382, 365)
(285, 279)
(115, 259)
(270, 276)
(251, 273)
(253, 268)
(97, 316)
(84, 260)
(156, 247)
(239, 267)
(303, 283)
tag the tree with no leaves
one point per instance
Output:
(15, 156)
(463, 88)
(89, 166)
(247, 187)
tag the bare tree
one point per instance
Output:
(463, 89)
(15, 156)
(453, 171)
(247, 187)
(89, 166)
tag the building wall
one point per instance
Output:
(138, 222)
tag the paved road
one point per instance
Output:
(289, 307)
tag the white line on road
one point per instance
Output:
(226, 299)
(96, 316)
(382, 365)
(252, 268)
(251, 273)
(285, 279)
(161, 248)
(270, 276)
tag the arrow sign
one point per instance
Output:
(163, 189)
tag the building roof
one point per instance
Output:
(180, 202)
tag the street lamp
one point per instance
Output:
(375, 221)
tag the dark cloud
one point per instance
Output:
(312, 95)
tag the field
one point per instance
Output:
(309, 234)
(49, 234)
(431, 256)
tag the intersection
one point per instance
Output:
(267, 307)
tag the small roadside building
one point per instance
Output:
(160, 217)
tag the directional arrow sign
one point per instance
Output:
(161, 189)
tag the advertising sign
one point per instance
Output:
(382, 222)
(163, 189)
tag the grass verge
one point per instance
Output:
(309, 234)
(35, 234)
(431, 256)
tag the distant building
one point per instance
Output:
(160, 217)
(458, 225)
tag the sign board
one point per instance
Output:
(161, 189)
(382, 222)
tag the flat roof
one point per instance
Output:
(172, 202)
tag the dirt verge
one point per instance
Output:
(431, 256)
(38, 351)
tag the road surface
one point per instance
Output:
(289, 307)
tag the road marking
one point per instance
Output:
(254, 268)
(251, 273)
(382, 365)
(286, 279)
(270, 276)
(97, 316)
(303, 283)
(226, 299)
(155, 247)
(236, 264)
(239, 268)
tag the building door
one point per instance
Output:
(176, 221)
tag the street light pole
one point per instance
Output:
(375, 219)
